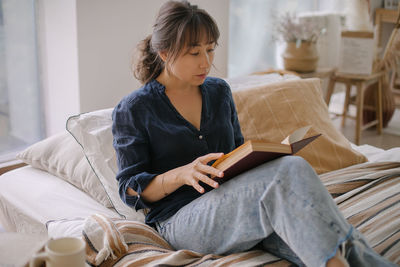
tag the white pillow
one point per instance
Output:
(65, 228)
(392, 154)
(93, 132)
(61, 156)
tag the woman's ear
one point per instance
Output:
(163, 55)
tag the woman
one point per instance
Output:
(167, 134)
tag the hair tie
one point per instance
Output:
(192, 8)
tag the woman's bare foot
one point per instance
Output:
(337, 261)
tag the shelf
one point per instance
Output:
(383, 15)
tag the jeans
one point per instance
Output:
(281, 206)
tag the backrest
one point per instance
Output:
(391, 54)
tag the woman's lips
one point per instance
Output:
(201, 76)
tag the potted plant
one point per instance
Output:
(300, 36)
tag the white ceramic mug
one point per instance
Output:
(61, 252)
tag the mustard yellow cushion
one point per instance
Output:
(273, 111)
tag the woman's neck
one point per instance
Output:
(173, 84)
(186, 98)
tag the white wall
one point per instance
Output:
(88, 50)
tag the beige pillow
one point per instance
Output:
(92, 131)
(273, 111)
(62, 156)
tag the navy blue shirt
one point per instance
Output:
(151, 137)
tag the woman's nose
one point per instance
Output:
(205, 61)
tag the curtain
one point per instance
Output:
(21, 121)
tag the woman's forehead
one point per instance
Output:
(198, 37)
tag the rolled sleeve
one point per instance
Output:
(137, 183)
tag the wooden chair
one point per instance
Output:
(361, 82)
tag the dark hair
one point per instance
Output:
(178, 25)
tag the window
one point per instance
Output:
(251, 25)
(21, 118)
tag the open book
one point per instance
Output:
(255, 152)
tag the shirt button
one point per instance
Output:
(200, 137)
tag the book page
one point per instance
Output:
(296, 135)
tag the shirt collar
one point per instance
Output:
(157, 86)
(161, 88)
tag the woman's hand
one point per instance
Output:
(190, 174)
(198, 170)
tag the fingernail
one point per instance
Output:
(215, 184)
(220, 174)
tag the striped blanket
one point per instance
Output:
(368, 194)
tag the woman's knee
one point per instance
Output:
(295, 162)
(291, 167)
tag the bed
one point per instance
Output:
(68, 186)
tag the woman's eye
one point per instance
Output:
(210, 50)
(195, 54)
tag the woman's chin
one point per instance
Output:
(199, 79)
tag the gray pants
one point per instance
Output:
(281, 206)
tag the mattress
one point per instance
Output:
(30, 198)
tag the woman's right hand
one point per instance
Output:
(198, 170)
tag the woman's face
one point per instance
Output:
(193, 64)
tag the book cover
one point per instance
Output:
(255, 152)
